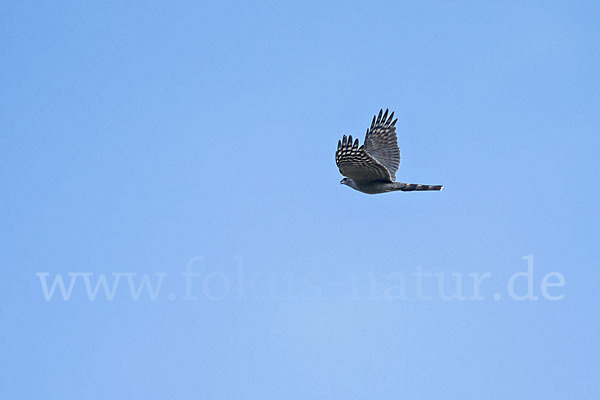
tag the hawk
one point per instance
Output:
(371, 168)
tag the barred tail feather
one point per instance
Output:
(409, 187)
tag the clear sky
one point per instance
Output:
(192, 144)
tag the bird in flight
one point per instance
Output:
(371, 168)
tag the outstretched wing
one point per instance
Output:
(382, 144)
(355, 163)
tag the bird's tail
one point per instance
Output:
(409, 187)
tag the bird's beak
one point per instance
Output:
(342, 181)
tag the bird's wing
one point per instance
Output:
(355, 163)
(381, 142)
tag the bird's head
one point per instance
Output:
(347, 181)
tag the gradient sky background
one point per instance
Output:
(138, 135)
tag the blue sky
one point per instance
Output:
(145, 138)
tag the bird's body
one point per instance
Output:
(371, 168)
(376, 187)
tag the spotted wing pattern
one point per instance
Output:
(381, 142)
(355, 163)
